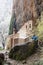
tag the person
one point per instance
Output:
(35, 39)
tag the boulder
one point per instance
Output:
(1, 58)
(23, 51)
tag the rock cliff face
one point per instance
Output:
(22, 52)
(26, 10)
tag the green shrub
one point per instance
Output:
(1, 61)
(13, 19)
(23, 51)
(1, 58)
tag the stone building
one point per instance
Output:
(22, 36)
(26, 12)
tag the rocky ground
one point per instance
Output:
(35, 59)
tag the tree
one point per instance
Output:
(40, 27)
(13, 20)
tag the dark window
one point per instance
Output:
(29, 25)
(26, 26)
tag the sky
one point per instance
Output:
(5, 15)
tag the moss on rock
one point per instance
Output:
(1, 58)
(23, 51)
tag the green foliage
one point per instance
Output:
(13, 19)
(22, 52)
(1, 48)
(11, 27)
(1, 59)
(40, 28)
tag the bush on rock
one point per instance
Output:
(23, 51)
(1, 58)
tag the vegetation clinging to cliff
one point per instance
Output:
(13, 19)
(32, 11)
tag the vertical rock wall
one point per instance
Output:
(26, 10)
